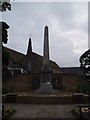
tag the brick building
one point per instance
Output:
(31, 64)
(68, 78)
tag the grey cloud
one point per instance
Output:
(30, 18)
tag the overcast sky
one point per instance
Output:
(68, 29)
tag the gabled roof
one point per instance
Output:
(14, 55)
(17, 58)
(52, 63)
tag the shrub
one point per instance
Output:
(4, 91)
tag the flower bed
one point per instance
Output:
(7, 112)
(76, 113)
(81, 112)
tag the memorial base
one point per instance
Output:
(45, 88)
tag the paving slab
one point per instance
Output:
(42, 111)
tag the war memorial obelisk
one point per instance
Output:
(45, 85)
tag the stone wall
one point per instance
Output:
(71, 82)
(21, 82)
(5, 73)
(31, 81)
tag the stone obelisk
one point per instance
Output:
(46, 49)
(45, 70)
(45, 85)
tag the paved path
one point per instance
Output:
(42, 111)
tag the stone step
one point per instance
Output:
(78, 99)
(45, 99)
(52, 99)
(45, 88)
